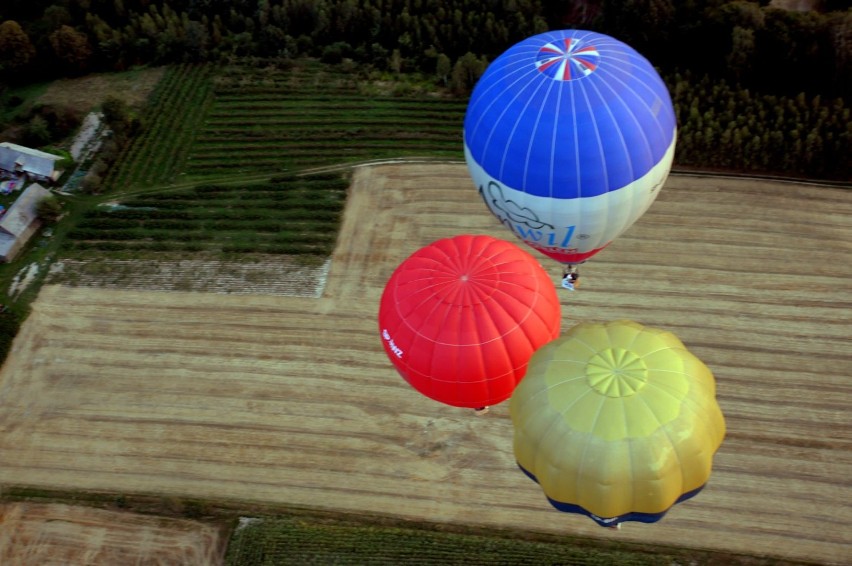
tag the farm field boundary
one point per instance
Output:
(207, 123)
(291, 401)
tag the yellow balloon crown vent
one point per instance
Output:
(616, 372)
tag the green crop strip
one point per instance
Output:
(205, 122)
(297, 215)
(308, 540)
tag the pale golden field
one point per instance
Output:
(291, 400)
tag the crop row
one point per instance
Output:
(286, 120)
(287, 215)
(330, 151)
(261, 202)
(314, 542)
(306, 117)
(206, 122)
(178, 246)
(279, 97)
(240, 233)
(245, 199)
(259, 224)
(180, 103)
(320, 211)
(328, 132)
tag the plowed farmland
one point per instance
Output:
(290, 400)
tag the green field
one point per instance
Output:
(306, 538)
(205, 124)
(287, 215)
(297, 541)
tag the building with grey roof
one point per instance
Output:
(20, 222)
(36, 165)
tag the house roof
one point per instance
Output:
(30, 160)
(7, 242)
(22, 213)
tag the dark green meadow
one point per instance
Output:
(303, 538)
(206, 123)
(297, 541)
(285, 215)
(227, 159)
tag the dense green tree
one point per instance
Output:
(443, 68)
(466, 72)
(334, 53)
(642, 24)
(48, 209)
(196, 41)
(116, 112)
(37, 132)
(16, 49)
(839, 26)
(72, 49)
(741, 56)
(55, 16)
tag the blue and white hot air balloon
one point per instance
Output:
(569, 136)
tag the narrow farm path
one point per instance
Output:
(291, 400)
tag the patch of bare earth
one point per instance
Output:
(271, 275)
(86, 93)
(36, 534)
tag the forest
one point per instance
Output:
(733, 64)
(755, 44)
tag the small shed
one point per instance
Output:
(20, 222)
(36, 165)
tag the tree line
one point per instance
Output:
(753, 84)
(762, 47)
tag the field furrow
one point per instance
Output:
(268, 398)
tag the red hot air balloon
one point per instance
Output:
(460, 318)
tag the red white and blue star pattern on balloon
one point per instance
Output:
(567, 59)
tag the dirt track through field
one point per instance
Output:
(291, 400)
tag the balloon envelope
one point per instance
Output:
(460, 318)
(569, 135)
(616, 421)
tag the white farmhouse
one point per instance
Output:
(17, 160)
(20, 222)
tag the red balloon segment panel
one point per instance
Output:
(460, 318)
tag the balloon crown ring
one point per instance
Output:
(567, 59)
(616, 372)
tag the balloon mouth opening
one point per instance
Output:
(616, 372)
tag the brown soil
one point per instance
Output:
(291, 400)
(85, 94)
(38, 534)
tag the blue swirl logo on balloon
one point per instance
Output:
(493, 197)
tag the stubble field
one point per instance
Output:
(290, 400)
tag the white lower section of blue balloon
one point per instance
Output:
(575, 225)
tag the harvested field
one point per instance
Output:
(39, 534)
(290, 400)
(267, 275)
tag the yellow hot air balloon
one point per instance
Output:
(616, 421)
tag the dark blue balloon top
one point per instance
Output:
(569, 114)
